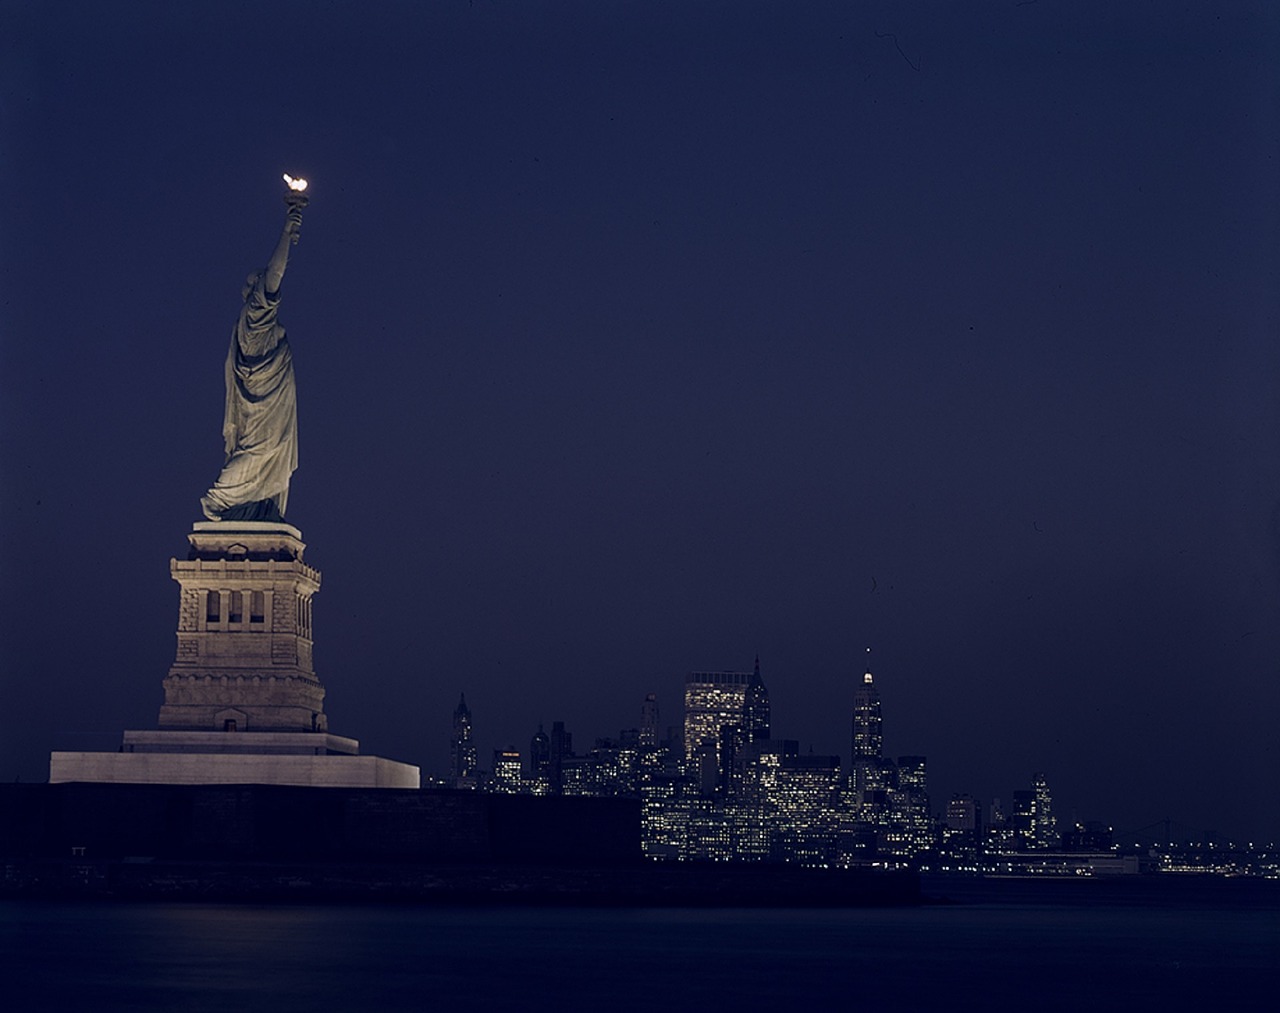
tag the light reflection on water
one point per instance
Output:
(109, 957)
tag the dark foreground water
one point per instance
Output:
(1081, 951)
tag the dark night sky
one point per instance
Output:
(638, 338)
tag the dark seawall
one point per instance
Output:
(273, 843)
(282, 823)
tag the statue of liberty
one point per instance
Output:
(260, 422)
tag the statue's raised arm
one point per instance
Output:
(260, 422)
(274, 270)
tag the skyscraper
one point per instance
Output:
(506, 771)
(715, 701)
(561, 751)
(868, 738)
(964, 812)
(539, 754)
(783, 802)
(462, 750)
(911, 826)
(1046, 822)
(868, 733)
(756, 719)
(649, 721)
(1034, 824)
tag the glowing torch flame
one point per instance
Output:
(295, 184)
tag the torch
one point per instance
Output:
(295, 197)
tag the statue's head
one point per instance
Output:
(249, 284)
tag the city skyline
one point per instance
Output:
(732, 790)
(633, 341)
(866, 750)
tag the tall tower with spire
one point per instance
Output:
(756, 721)
(868, 734)
(649, 721)
(462, 748)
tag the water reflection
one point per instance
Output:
(109, 957)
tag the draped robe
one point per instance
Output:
(260, 421)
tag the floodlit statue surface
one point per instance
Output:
(260, 424)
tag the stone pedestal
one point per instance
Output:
(244, 633)
(242, 702)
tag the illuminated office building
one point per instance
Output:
(1046, 822)
(1034, 824)
(708, 834)
(999, 832)
(785, 802)
(962, 823)
(715, 701)
(611, 769)
(910, 775)
(506, 771)
(910, 826)
(663, 820)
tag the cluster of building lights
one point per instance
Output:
(722, 788)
